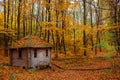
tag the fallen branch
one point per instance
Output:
(90, 69)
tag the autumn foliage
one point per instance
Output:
(77, 29)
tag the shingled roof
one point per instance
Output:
(31, 41)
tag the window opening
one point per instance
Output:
(35, 53)
(19, 53)
(46, 52)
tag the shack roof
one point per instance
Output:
(31, 41)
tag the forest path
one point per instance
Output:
(97, 63)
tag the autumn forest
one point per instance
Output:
(84, 34)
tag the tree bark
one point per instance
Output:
(91, 23)
(18, 19)
(84, 33)
(31, 21)
(5, 37)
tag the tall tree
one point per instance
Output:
(91, 23)
(5, 26)
(49, 18)
(84, 33)
(24, 19)
(32, 16)
(18, 19)
(116, 22)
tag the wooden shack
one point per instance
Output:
(30, 51)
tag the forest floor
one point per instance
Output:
(97, 68)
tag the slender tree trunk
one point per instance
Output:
(74, 41)
(45, 34)
(24, 26)
(119, 30)
(74, 31)
(49, 19)
(37, 19)
(53, 39)
(63, 28)
(15, 8)
(84, 33)
(24, 20)
(12, 10)
(18, 19)
(91, 23)
(96, 49)
(8, 13)
(31, 21)
(116, 19)
(98, 41)
(42, 19)
(57, 36)
(99, 23)
(11, 19)
(5, 26)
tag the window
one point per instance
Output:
(19, 53)
(46, 52)
(24, 67)
(36, 66)
(35, 53)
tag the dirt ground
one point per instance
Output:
(98, 68)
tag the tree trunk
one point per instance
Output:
(18, 19)
(84, 33)
(5, 37)
(57, 36)
(91, 23)
(24, 22)
(98, 41)
(31, 21)
(49, 19)
(37, 19)
(74, 33)
(116, 22)
(63, 28)
(53, 39)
